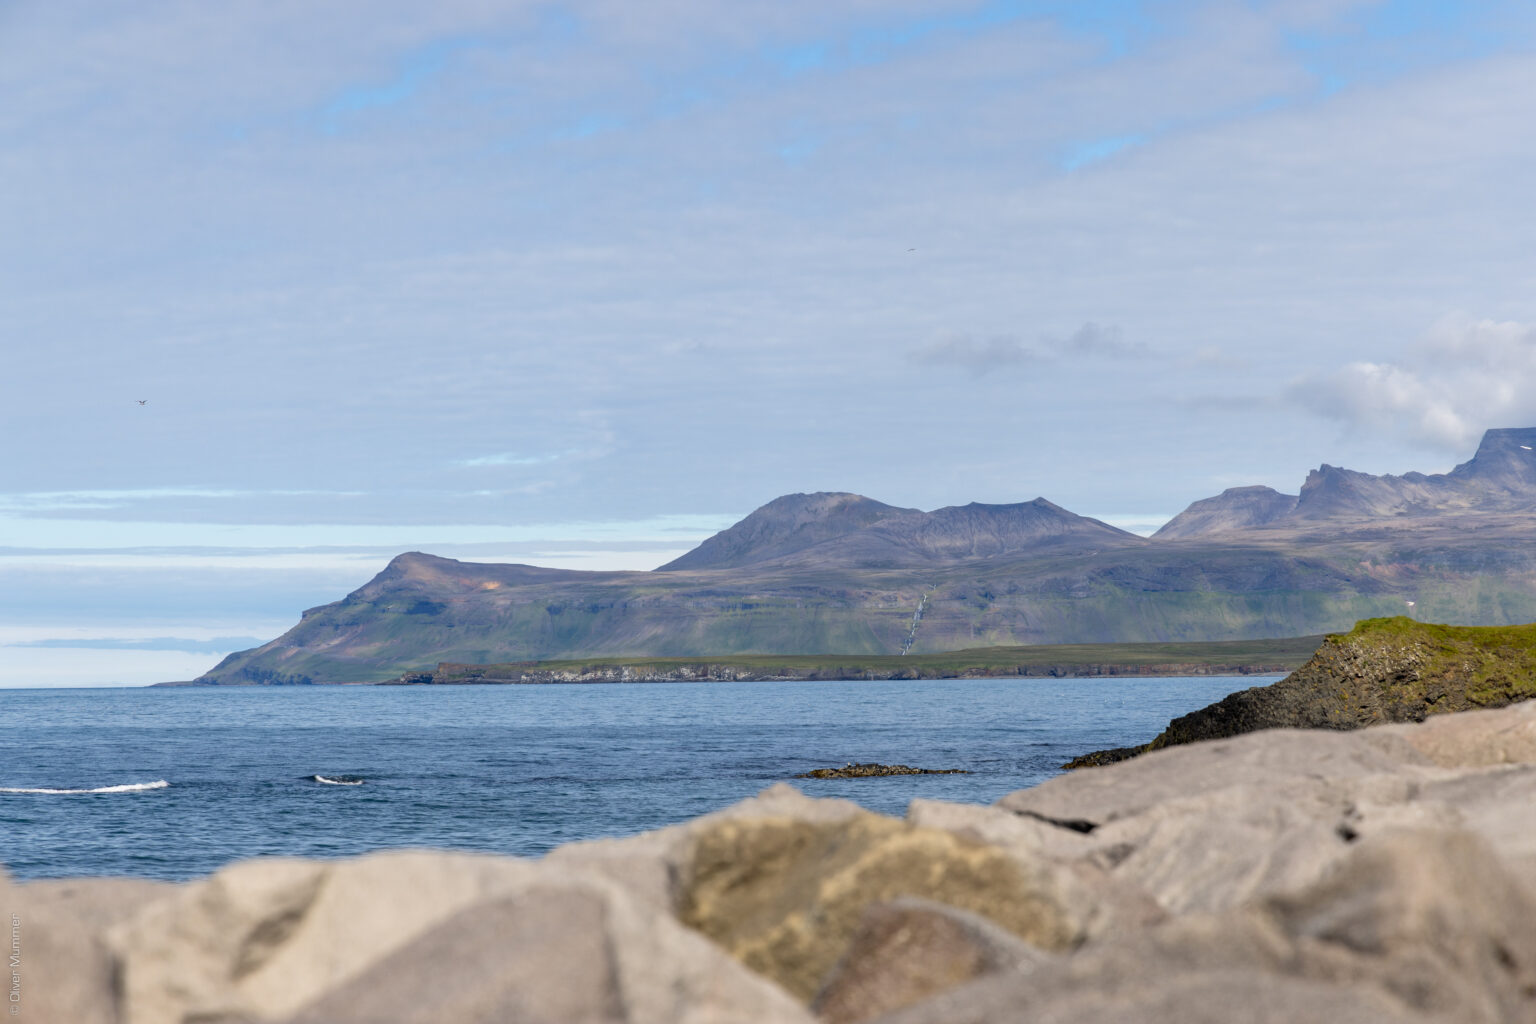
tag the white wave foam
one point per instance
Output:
(337, 782)
(132, 787)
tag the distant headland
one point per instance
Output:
(843, 577)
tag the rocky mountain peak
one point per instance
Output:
(1499, 478)
(786, 525)
(840, 529)
(1236, 508)
(1505, 461)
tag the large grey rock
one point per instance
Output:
(909, 949)
(542, 955)
(1192, 997)
(1023, 834)
(1434, 917)
(1094, 796)
(564, 953)
(651, 865)
(271, 939)
(66, 972)
(1213, 825)
(1225, 848)
(786, 897)
(1499, 804)
(1099, 901)
(1473, 739)
(1424, 925)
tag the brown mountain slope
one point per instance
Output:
(839, 530)
(837, 573)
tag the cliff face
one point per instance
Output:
(1382, 671)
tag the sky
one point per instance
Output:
(580, 283)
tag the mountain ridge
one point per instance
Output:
(838, 573)
(1500, 477)
(840, 529)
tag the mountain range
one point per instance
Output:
(838, 573)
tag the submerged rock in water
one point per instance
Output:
(867, 771)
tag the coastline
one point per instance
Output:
(1130, 660)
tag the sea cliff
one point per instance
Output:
(1383, 670)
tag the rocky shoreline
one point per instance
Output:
(449, 674)
(1380, 875)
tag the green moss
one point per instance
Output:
(1383, 670)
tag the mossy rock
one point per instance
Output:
(786, 897)
(1383, 670)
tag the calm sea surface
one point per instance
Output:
(509, 769)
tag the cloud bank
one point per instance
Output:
(1463, 377)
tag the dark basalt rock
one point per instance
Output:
(867, 771)
(1103, 757)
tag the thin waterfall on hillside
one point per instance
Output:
(917, 617)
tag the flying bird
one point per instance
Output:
(142, 401)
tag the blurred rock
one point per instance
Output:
(785, 897)
(909, 949)
(571, 953)
(271, 939)
(55, 928)
(1414, 926)
(650, 865)
(1473, 739)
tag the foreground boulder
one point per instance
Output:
(1379, 875)
(424, 937)
(786, 897)
(1416, 926)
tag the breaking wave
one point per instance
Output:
(338, 780)
(132, 787)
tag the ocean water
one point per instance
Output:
(174, 783)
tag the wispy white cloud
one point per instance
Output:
(977, 356)
(1099, 340)
(980, 356)
(278, 540)
(216, 645)
(506, 459)
(118, 498)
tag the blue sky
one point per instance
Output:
(559, 283)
